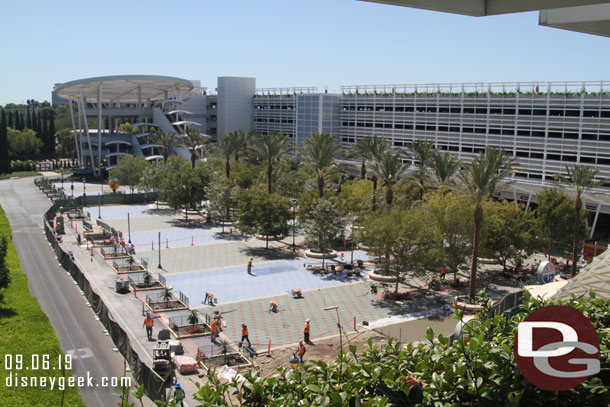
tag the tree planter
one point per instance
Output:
(470, 308)
(271, 238)
(315, 255)
(384, 279)
(488, 261)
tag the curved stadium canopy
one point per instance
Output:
(124, 88)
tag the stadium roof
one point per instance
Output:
(594, 277)
(124, 88)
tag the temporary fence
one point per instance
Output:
(164, 300)
(183, 327)
(508, 302)
(154, 385)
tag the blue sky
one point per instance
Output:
(282, 43)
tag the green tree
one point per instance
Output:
(479, 180)
(581, 178)
(356, 197)
(5, 164)
(508, 231)
(167, 141)
(263, 214)
(451, 215)
(362, 151)
(129, 170)
(271, 148)
(422, 152)
(324, 223)
(320, 151)
(152, 177)
(389, 168)
(194, 141)
(555, 213)
(65, 143)
(444, 168)
(377, 146)
(182, 185)
(23, 144)
(222, 197)
(403, 237)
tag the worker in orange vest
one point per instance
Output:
(301, 351)
(214, 329)
(244, 335)
(306, 330)
(149, 322)
(250, 266)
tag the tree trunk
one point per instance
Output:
(478, 218)
(577, 208)
(228, 169)
(266, 242)
(269, 174)
(193, 159)
(374, 192)
(363, 170)
(236, 157)
(389, 194)
(321, 186)
(397, 280)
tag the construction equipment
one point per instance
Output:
(162, 360)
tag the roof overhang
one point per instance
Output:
(124, 88)
(586, 16)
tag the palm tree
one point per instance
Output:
(321, 150)
(582, 178)
(165, 140)
(271, 147)
(444, 167)
(479, 179)
(227, 147)
(389, 168)
(194, 140)
(243, 141)
(193, 319)
(362, 151)
(378, 145)
(422, 151)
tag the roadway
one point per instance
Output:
(60, 298)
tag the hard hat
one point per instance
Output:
(307, 320)
(177, 385)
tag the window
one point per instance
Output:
(573, 113)
(589, 136)
(495, 110)
(556, 112)
(526, 133)
(539, 112)
(569, 158)
(481, 111)
(467, 129)
(537, 155)
(571, 136)
(590, 160)
(555, 157)
(523, 154)
(508, 132)
(525, 111)
(495, 131)
(590, 113)
(454, 129)
(554, 134)
(467, 149)
(537, 133)
(420, 127)
(479, 130)
(509, 111)
(456, 110)
(469, 110)
(604, 161)
(443, 110)
(443, 128)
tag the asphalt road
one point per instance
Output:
(62, 301)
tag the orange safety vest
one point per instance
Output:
(249, 262)
(149, 322)
(244, 331)
(301, 350)
(306, 328)
(213, 325)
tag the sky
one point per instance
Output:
(282, 43)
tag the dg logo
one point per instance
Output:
(557, 348)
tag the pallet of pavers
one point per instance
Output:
(185, 364)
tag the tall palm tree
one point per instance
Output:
(243, 141)
(362, 151)
(422, 152)
(378, 145)
(444, 167)
(165, 140)
(479, 179)
(581, 178)
(271, 147)
(194, 140)
(321, 150)
(227, 147)
(389, 168)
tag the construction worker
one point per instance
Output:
(244, 335)
(214, 329)
(218, 318)
(209, 298)
(149, 322)
(179, 395)
(443, 273)
(306, 330)
(301, 351)
(250, 266)
(273, 306)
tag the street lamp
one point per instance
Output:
(294, 204)
(62, 181)
(128, 227)
(336, 308)
(84, 193)
(72, 187)
(294, 361)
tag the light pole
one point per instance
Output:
(294, 203)
(159, 266)
(84, 193)
(62, 181)
(336, 308)
(72, 188)
(128, 227)
(99, 206)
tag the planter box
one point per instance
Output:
(330, 255)
(384, 279)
